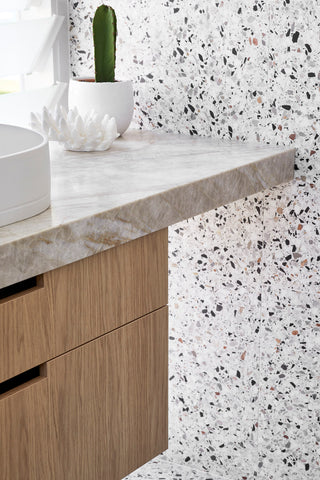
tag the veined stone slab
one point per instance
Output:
(145, 182)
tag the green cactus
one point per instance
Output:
(104, 39)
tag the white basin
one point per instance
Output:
(24, 174)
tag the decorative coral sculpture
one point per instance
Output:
(88, 134)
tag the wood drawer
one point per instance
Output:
(109, 401)
(25, 327)
(74, 304)
(100, 293)
(97, 412)
(24, 432)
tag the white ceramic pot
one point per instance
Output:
(112, 98)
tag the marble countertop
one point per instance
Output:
(145, 182)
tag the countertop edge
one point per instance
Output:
(72, 242)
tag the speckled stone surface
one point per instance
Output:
(159, 469)
(244, 279)
(244, 297)
(145, 182)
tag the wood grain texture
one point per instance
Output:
(24, 429)
(100, 293)
(26, 330)
(109, 399)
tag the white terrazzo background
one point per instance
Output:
(244, 279)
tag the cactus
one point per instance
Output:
(104, 39)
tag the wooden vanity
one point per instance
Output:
(83, 300)
(95, 406)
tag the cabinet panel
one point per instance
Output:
(109, 399)
(24, 441)
(25, 330)
(100, 293)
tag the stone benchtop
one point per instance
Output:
(145, 182)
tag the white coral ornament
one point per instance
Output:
(88, 134)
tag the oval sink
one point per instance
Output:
(24, 174)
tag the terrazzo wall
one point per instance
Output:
(244, 279)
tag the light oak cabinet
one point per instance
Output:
(103, 292)
(24, 432)
(96, 406)
(109, 400)
(26, 329)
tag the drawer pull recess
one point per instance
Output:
(21, 287)
(21, 379)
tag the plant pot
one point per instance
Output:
(112, 98)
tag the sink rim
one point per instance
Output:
(42, 137)
(25, 177)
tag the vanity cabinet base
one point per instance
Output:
(100, 412)
(109, 401)
(84, 367)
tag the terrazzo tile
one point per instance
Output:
(290, 340)
(247, 52)
(294, 76)
(291, 223)
(289, 396)
(290, 446)
(160, 470)
(213, 353)
(209, 430)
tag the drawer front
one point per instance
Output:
(25, 327)
(109, 400)
(24, 432)
(100, 293)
